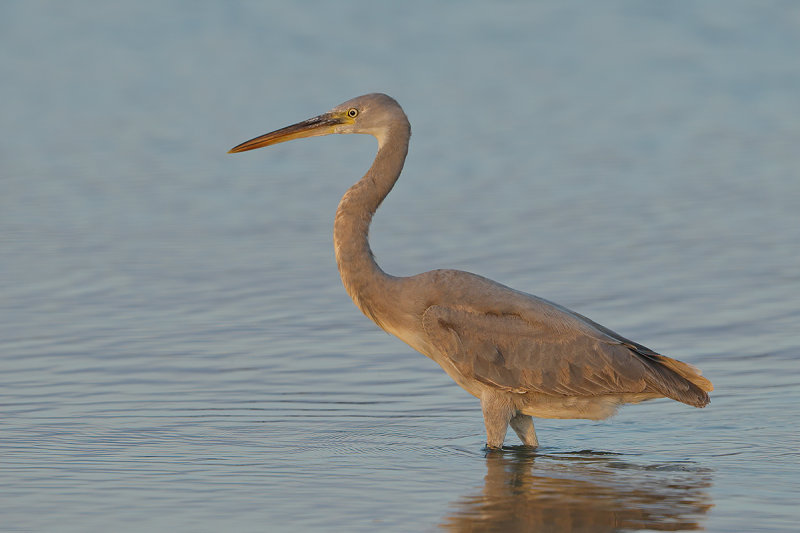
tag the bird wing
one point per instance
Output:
(550, 351)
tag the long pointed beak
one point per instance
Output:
(321, 125)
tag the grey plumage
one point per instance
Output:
(519, 354)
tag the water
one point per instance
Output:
(177, 352)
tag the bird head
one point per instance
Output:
(372, 114)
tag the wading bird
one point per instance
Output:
(521, 355)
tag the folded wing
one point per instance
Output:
(556, 353)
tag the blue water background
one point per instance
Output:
(177, 352)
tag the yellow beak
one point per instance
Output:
(313, 127)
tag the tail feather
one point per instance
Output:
(686, 371)
(675, 379)
(686, 377)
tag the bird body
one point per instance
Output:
(521, 355)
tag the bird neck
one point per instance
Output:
(363, 279)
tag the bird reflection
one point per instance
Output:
(584, 491)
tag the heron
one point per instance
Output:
(522, 356)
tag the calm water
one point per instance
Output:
(177, 352)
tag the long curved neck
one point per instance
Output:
(365, 282)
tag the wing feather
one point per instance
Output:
(556, 354)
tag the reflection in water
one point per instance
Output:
(583, 491)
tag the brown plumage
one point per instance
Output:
(521, 355)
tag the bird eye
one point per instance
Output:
(352, 112)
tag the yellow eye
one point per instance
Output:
(352, 112)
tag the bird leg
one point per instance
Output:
(497, 411)
(523, 426)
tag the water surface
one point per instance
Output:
(176, 349)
